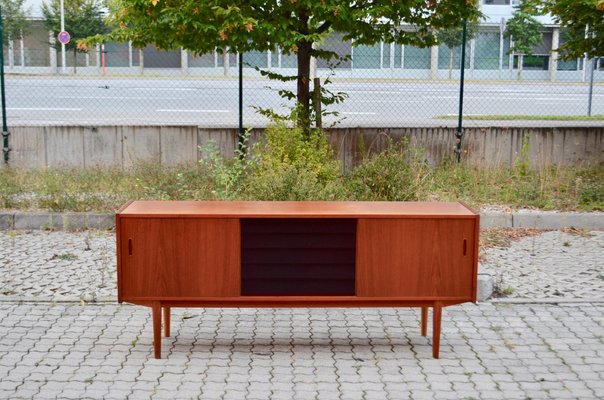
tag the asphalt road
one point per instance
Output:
(214, 102)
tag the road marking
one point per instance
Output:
(384, 101)
(155, 89)
(357, 113)
(374, 91)
(523, 98)
(117, 97)
(42, 109)
(195, 111)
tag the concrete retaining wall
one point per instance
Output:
(88, 146)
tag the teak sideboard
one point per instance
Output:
(296, 254)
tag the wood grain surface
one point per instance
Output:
(288, 209)
(179, 257)
(415, 257)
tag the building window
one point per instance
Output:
(366, 57)
(497, 2)
(533, 62)
(387, 57)
(255, 59)
(417, 58)
(486, 54)
(335, 42)
(568, 65)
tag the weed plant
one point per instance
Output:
(396, 174)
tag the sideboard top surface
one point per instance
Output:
(297, 209)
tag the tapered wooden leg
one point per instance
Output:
(424, 321)
(437, 314)
(157, 328)
(166, 321)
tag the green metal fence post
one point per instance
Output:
(241, 133)
(5, 133)
(459, 134)
(591, 85)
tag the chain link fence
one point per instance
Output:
(387, 85)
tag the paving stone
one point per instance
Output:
(554, 265)
(258, 395)
(50, 394)
(141, 394)
(9, 385)
(58, 265)
(50, 350)
(113, 394)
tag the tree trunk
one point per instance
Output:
(450, 64)
(303, 106)
(75, 60)
(520, 62)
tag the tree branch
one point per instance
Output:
(324, 27)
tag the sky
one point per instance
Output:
(34, 6)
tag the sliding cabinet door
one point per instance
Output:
(179, 257)
(416, 258)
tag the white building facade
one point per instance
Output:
(487, 57)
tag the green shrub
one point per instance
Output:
(289, 183)
(288, 165)
(396, 174)
(285, 146)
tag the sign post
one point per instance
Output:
(5, 133)
(63, 67)
(64, 38)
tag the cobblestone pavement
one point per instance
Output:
(488, 351)
(58, 265)
(551, 265)
(104, 351)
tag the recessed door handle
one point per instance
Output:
(465, 246)
(129, 247)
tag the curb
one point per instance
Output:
(545, 300)
(106, 221)
(56, 221)
(544, 220)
